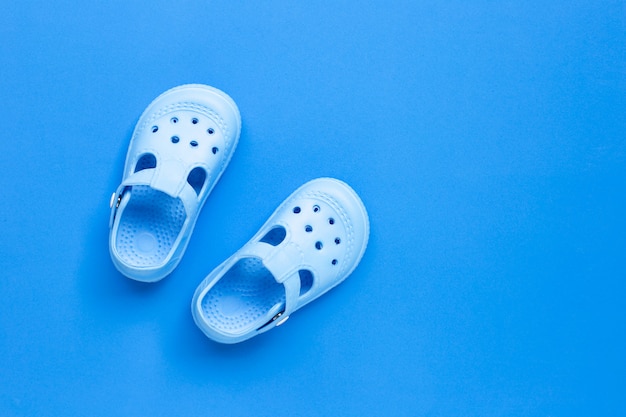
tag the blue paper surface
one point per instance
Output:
(487, 140)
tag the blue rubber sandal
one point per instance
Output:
(181, 145)
(311, 243)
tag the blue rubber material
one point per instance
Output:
(149, 227)
(245, 293)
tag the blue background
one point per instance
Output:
(486, 138)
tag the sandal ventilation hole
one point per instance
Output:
(296, 209)
(196, 179)
(331, 221)
(194, 121)
(318, 245)
(275, 236)
(210, 131)
(214, 150)
(316, 208)
(306, 281)
(175, 139)
(155, 129)
(193, 143)
(174, 120)
(334, 262)
(337, 240)
(308, 228)
(146, 161)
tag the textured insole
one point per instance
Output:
(242, 296)
(149, 226)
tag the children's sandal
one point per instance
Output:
(311, 243)
(180, 147)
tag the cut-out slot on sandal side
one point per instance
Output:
(196, 179)
(146, 161)
(275, 236)
(306, 281)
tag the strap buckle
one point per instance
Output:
(273, 319)
(119, 200)
(277, 316)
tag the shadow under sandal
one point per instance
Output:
(311, 243)
(181, 145)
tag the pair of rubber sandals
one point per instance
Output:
(180, 147)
